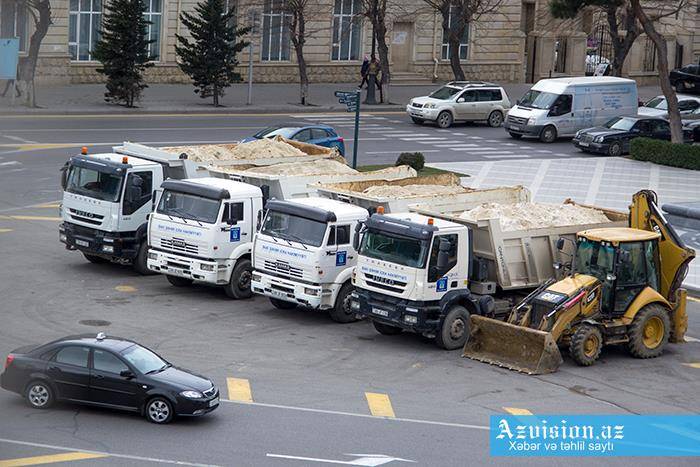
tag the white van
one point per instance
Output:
(562, 106)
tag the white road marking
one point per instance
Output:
(594, 186)
(460, 144)
(431, 138)
(506, 156)
(539, 177)
(17, 138)
(692, 339)
(403, 150)
(368, 460)
(4, 164)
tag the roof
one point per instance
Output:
(342, 211)
(235, 189)
(118, 158)
(469, 84)
(114, 343)
(561, 83)
(617, 235)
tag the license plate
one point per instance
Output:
(380, 312)
(214, 402)
(82, 243)
(515, 127)
(581, 143)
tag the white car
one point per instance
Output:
(461, 101)
(658, 107)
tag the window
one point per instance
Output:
(107, 362)
(467, 96)
(318, 133)
(186, 206)
(688, 105)
(234, 211)
(154, 14)
(13, 21)
(139, 186)
(275, 32)
(561, 106)
(85, 17)
(643, 127)
(303, 136)
(649, 59)
(346, 30)
(463, 42)
(560, 55)
(433, 272)
(489, 95)
(339, 235)
(73, 355)
(660, 127)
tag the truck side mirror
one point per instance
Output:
(64, 176)
(258, 222)
(356, 236)
(233, 213)
(443, 258)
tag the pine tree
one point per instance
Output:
(123, 51)
(210, 59)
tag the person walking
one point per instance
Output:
(363, 72)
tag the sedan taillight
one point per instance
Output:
(9, 360)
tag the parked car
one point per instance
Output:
(613, 138)
(658, 107)
(107, 372)
(321, 135)
(461, 101)
(691, 122)
(686, 78)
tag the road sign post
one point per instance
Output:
(352, 101)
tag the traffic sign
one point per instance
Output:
(351, 99)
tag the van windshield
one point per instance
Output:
(405, 251)
(538, 99)
(444, 93)
(95, 184)
(294, 228)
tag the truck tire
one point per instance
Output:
(549, 134)
(454, 331)
(585, 345)
(282, 304)
(341, 313)
(238, 286)
(140, 262)
(649, 332)
(386, 329)
(94, 259)
(179, 281)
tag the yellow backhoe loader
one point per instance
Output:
(623, 287)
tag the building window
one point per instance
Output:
(275, 32)
(83, 28)
(649, 59)
(347, 28)
(560, 55)
(154, 14)
(463, 43)
(13, 21)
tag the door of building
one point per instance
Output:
(402, 46)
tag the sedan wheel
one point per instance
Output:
(159, 411)
(39, 395)
(615, 150)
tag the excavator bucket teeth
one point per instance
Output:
(516, 347)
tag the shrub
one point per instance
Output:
(414, 159)
(661, 152)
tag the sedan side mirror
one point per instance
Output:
(128, 374)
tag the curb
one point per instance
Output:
(683, 215)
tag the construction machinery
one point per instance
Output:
(623, 286)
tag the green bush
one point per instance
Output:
(413, 159)
(661, 152)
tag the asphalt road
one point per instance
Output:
(307, 377)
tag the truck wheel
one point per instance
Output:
(417, 121)
(495, 119)
(141, 259)
(386, 329)
(95, 259)
(238, 286)
(515, 135)
(549, 134)
(179, 281)
(281, 304)
(585, 345)
(615, 149)
(455, 329)
(649, 332)
(444, 120)
(341, 312)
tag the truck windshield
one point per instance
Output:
(189, 206)
(294, 228)
(594, 258)
(405, 251)
(95, 184)
(538, 99)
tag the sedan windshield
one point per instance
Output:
(405, 251)
(286, 132)
(144, 360)
(294, 228)
(538, 99)
(444, 93)
(90, 182)
(188, 206)
(594, 258)
(620, 123)
(657, 103)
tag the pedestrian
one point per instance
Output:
(363, 71)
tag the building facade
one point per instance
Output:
(518, 43)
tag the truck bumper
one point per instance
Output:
(109, 245)
(418, 317)
(209, 271)
(307, 295)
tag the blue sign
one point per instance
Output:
(341, 258)
(235, 234)
(9, 55)
(594, 435)
(441, 285)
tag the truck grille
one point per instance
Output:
(178, 245)
(385, 283)
(517, 120)
(87, 217)
(282, 269)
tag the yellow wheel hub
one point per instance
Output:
(653, 332)
(590, 347)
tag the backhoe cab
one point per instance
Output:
(623, 287)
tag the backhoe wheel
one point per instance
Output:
(179, 281)
(341, 312)
(238, 286)
(585, 345)
(386, 329)
(649, 332)
(455, 329)
(94, 259)
(282, 304)
(549, 134)
(140, 262)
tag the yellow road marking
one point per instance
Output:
(5, 230)
(694, 299)
(31, 218)
(239, 390)
(50, 459)
(379, 405)
(125, 288)
(693, 365)
(48, 205)
(516, 411)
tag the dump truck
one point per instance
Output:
(623, 287)
(428, 270)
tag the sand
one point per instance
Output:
(258, 149)
(412, 191)
(317, 167)
(523, 216)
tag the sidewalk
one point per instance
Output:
(267, 98)
(607, 182)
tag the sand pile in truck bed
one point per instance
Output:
(317, 167)
(259, 149)
(523, 216)
(412, 191)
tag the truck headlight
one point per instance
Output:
(309, 291)
(410, 319)
(192, 394)
(108, 248)
(152, 255)
(531, 121)
(599, 139)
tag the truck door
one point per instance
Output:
(136, 200)
(442, 281)
(339, 253)
(237, 217)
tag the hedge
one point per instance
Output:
(661, 152)
(414, 159)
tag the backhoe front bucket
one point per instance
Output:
(516, 347)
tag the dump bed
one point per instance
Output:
(512, 259)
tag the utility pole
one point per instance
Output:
(253, 17)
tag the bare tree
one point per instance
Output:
(376, 12)
(299, 11)
(40, 11)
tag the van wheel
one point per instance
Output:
(495, 119)
(549, 134)
(515, 135)
(238, 286)
(615, 150)
(444, 120)
(649, 332)
(179, 281)
(282, 304)
(94, 259)
(140, 262)
(39, 395)
(454, 331)
(417, 121)
(341, 312)
(585, 345)
(386, 329)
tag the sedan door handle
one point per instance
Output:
(98, 376)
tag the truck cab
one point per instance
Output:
(303, 254)
(202, 230)
(412, 274)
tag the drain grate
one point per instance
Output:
(94, 322)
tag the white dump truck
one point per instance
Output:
(426, 271)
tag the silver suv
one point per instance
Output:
(461, 101)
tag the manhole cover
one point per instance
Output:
(94, 322)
